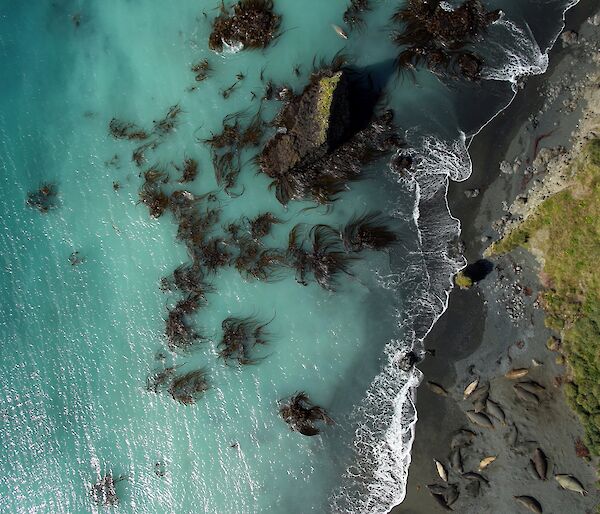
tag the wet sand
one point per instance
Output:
(496, 325)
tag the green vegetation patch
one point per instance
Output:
(327, 86)
(565, 231)
(462, 281)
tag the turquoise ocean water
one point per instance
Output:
(77, 342)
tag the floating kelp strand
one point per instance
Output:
(202, 70)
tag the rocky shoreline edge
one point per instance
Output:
(497, 327)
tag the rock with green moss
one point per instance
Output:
(310, 123)
(327, 88)
(463, 281)
(318, 146)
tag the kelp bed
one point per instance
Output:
(312, 151)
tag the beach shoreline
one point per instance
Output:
(497, 324)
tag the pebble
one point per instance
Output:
(506, 168)
(594, 20)
(569, 37)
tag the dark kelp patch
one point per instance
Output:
(189, 387)
(44, 198)
(104, 492)
(354, 12)
(240, 336)
(317, 252)
(437, 36)
(253, 24)
(368, 232)
(301, 415)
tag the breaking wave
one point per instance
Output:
(386, 418)
(516, 51)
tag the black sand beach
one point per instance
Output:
(496, 325)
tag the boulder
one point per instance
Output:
(313, 122)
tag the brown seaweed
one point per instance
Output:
(301, 415)
(435, 36)
(253, 24)
(158, 379)
(189, 279)
(189, 171)
(353, 14)
(211, 255)
(155, 199)
(240, 336)
(318, 253)
(189, 387)
(260, 226)
(367, 232)
(201, 70)
(180, 336)
(234, 136)
(226, 93)
(44, 198)
(169, 122)
(125, 130)
(104, 492)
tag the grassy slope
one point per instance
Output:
(565, 231)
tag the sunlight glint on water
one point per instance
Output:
(78, 342)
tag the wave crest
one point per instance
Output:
(386, 418)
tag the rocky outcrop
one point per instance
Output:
(311, 123)
(318, 147)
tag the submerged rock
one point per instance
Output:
(594, 20)
(506, 168)
(472, 193)
(104, 492)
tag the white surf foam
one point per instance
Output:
(376, 482)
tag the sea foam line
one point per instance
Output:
(376, 482)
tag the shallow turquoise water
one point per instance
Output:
(78, 342)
